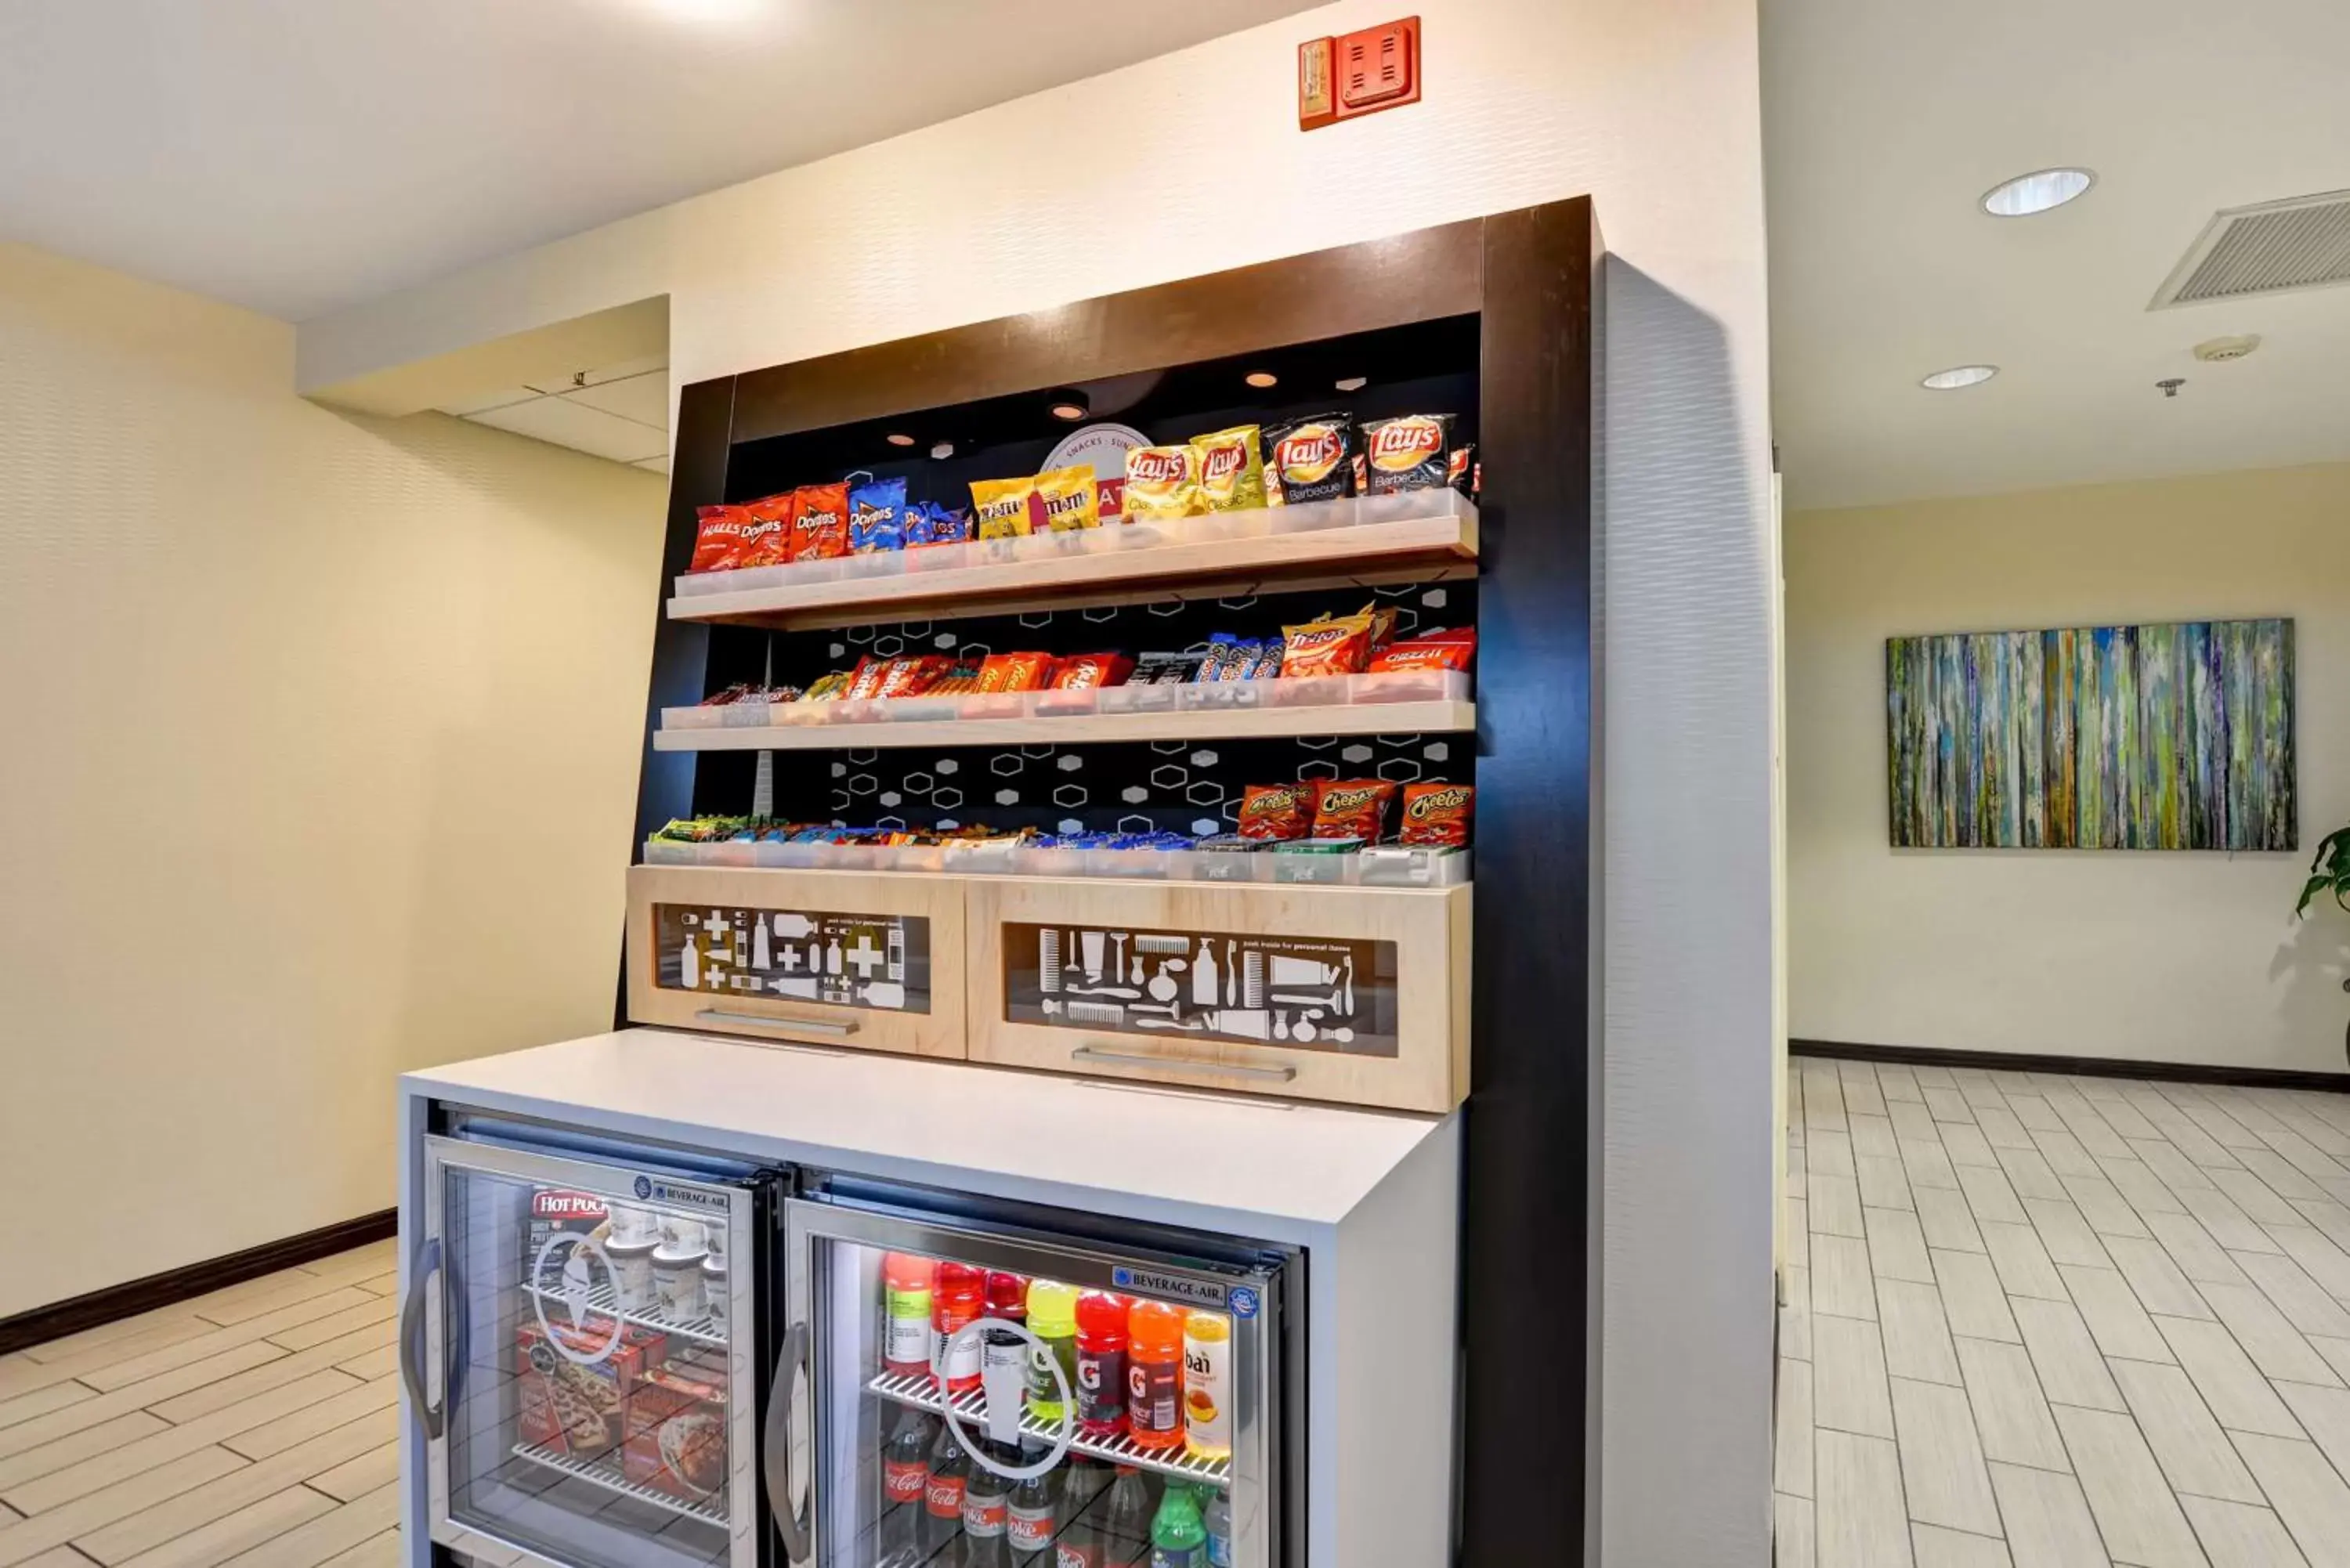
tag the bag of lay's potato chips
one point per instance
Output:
(1232, 468)
(1000, 507)
(1161, 482)
(1069, 499)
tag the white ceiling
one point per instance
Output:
(298, 156)
(616, 412)
(1885, 121)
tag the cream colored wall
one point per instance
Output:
(320, 766)
(1193, 162)
(2188, 957)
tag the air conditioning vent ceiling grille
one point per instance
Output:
(2269, 249)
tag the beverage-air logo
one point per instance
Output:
(1406, 443)
(1206, 1292)
(669, 1192)
(1154, 465)
(1309, 454)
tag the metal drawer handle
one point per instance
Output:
(1134, 1059)
(432, 1417)
(842, 1027)
(776, 1459)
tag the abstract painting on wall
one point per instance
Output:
(2177, 736)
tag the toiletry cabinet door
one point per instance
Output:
(1352, 995)
(868, 960)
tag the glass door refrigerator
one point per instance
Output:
(980, 1386)
(584, 1341)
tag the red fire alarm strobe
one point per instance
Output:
(1361, 73)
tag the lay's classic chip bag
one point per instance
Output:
(1232, 468)
(1161, 482)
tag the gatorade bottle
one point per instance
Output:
(1208, 1385)
(955, 1296)
(1179, 1537)
(1053, 1318)
(1154, 1375)
(906, 1295)
(1101, 1364)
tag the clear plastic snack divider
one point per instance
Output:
(989, 1438)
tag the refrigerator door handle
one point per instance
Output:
(776, 1441)
(433, 1418)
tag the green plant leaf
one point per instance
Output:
(2310, 891)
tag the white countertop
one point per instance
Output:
(1191, 1156)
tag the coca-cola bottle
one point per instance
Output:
(905, 1481)
(1033, 1516)
(985, 1517)
(947, 1476)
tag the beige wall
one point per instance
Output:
(320, 766)
(1192, 163)
(2190, 957)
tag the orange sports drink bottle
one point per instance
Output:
(1154, 1375)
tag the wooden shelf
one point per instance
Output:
(1095, 729)
(1439, 543)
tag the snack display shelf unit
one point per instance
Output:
(1381, 865)
(1416, 533)
(917, 1390)
(604, 1471)
(1409, 701)
(703, 1330)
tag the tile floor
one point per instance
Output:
(253, 1427)
(2046, 1322)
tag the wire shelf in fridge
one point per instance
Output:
(702, 1329)
(604, 1471)
(916, 1389)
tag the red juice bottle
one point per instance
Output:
(956, 1296)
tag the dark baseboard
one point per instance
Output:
(2086, 1066)
(55, 1322)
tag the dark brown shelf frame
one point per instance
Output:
(1529, 274)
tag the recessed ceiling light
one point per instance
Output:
(1352, 383)
(2037, 191)
(1070, 411)
(944, 451)
(899, 438)
(1957, 376)
(1261, 379)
